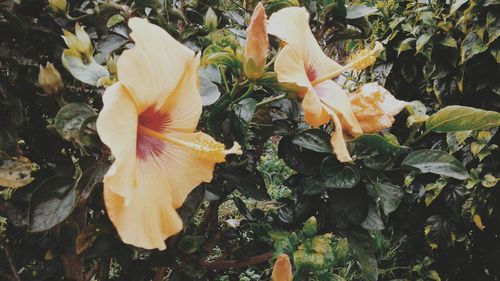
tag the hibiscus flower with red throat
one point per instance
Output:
(149, 122)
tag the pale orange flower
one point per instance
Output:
(148, 121)
(300, 62)
(375, 107)
(282, 270)
(257, 44)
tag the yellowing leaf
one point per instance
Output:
(462, 118)
(478, 222)
(16, 171)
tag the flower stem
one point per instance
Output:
(248, 92)
(224, 79)
(282, 96)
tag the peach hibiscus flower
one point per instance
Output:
(148, 121)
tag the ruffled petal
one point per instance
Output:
(292, 26)
(152, 69)
(184, 105)
(117, 128)
(314, 112)
(146, 218)
(336, 98)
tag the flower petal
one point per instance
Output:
(152, 69)
(338, 142)
(314, 112)
(184, 105)
(147, 218)
(336, 98)
(292, 26)
(257, 44)
(117, 128)
(289, 66)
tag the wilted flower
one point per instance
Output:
(80, 41)
(257, 44)
(211, 20)
(374, 107)
(282, 270)
(148, 121)
(302, 62)
(58, 6)
(49, 79)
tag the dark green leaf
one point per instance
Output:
(373, 220)
(364, 248)
(313, 139)
(72, 119)
(471, 46)
(462, 118)
(390, 195)
(51, 203)
(208, 89)
(379, 143)
(189, 244)
(436, 162)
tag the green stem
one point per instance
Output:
(235, 86)
(282, 96)
(224, 79)
(248, 92)
(419, 138)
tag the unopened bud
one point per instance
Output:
(211, 20)
(49, 79)
(58, 6)
(257, 44)
(282, 270)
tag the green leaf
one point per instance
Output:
(51, 203)
(302, 160)
(462, 118)
(72, 120)
(406, 45)
(313, 139)
(379, 143)
(336, 176)
(436, 162)
(448, 41)
(364, 249)
(243, 113)
(93, 172)
(456, 5)
(390, 195)
(422, 41)
(208, 89)
(87, 71)
(373, 220)
(359, 11)
(472, 45)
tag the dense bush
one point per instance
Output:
(418, 201)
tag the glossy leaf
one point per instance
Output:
(436, 162)
(462, 118)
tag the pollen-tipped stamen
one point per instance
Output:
(360, 61)
(202, 147)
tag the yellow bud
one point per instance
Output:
(211, 20)
(257, 44)
(49, 79)
(80, 41)
(282, 270)
(58, 6)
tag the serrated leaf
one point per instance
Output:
(462, 118)
(436, 162)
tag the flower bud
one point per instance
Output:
(58, 6)
(80, 41)
(310, 227)
(282, 270)
(211, 20)
(375, 107)
(49, 79)
(257, 44)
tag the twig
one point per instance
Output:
(11, 263)
(226, 264)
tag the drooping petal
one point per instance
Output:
(374, 107)
(257, 44)
(282, 270)
(117, 128)
(292, 26)
(336, 98)
(314, 112)
(152, 69)
(338, 142)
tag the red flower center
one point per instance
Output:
(154, 120)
